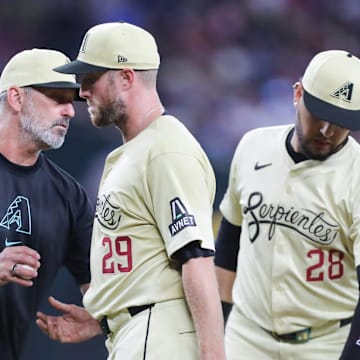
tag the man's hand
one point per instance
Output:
(12, 269)
(73, 326)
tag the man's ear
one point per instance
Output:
(15, 98)
(298, 91)
(127, 77)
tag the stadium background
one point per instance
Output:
(227, 67)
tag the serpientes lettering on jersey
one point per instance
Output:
(180, 217)
(311, 224)
(107, 213)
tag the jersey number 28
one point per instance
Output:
(334, 269)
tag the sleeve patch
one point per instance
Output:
(180, 217)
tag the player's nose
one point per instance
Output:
(84, 92)
(326, 129)
(68, 110)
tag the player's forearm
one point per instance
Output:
(225, 279)
(351, 349)
(204, 302)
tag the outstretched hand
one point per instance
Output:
(73, 326)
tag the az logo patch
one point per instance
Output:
(180, 217)
(344, 92)
(18, 214)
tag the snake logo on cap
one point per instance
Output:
(344, 92)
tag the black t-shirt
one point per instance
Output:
(44, 208)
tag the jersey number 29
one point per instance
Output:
(118, 256)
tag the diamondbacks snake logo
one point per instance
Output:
(344, 92)
(18, 215)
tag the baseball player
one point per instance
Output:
(153, 285)
(45, 215)
(288, 248)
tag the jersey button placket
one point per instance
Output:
(280, 260)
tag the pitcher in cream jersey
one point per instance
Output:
(153, 287)
(288, 249)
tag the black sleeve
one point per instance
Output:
(351, 350)
(226, 309)
(227, 245)
(77, 259)
(189, 251)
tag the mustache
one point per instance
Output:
(323, 139)
(61, 122)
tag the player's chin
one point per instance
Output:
(319, 151)
(99, 121)
(320, 155)
(56, 141)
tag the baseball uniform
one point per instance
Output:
(299, 248)
(155, 197)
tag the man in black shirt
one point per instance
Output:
(45, 215)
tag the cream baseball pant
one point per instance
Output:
(162, 332)
(245, 340)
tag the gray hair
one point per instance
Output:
(3, 95)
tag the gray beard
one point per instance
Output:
(43, 137)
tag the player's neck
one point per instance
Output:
(295, 155)
(141, 121)
(18, 149)
(15, 144)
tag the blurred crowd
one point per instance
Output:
(227, 66)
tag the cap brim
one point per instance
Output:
(78, 67)
(59, 85)
(348, 119)
(62, 85)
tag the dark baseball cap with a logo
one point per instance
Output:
(112, 46)
(332, 88)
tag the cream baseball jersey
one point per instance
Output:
(155, 196)
(300, 240)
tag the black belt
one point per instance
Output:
(302, 335)
(133, 310)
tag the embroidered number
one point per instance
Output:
(122, 257)
(108, 266)
(311, 273)
(335, 269)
